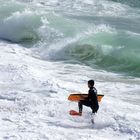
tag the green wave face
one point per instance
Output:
(113, 52)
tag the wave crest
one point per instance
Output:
(114, 53)
(20, 27)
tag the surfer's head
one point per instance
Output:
(91, 83)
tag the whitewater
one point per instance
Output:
(51, 48)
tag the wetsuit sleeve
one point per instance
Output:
(89, 95)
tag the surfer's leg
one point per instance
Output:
(80, 105)
(86, 103)
(94, 109)
(92, 117)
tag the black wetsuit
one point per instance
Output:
(90, 101)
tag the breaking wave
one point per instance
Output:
(18, 24)
(113, 52)
(102, 34)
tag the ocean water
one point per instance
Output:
(100, 34)
(50, 48)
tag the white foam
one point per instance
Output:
(33, 92)
(100, 8)
(33, 100)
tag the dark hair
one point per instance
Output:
(91, 82)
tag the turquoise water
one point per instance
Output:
(133, 3)
(101, 34)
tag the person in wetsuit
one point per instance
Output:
(91, 101)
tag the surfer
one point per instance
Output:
(91, 101)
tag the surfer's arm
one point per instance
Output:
(89, 98)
